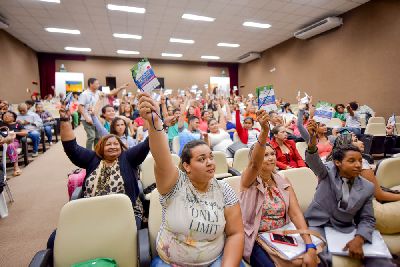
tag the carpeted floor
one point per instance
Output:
(39, 193)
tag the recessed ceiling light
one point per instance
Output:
(58, 30)
(256, 24)
(210, 57)
(50, 1)
(196, 17)
(80, 49)
(171, 55)
(131, 9)
(128, 52)
(183, 41)
(228, 45)
(127, 36)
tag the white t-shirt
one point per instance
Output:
(220, 141)
(88, 99)
(192, 231)
(252, 137)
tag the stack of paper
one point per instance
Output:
(337, 241)
(290, 252)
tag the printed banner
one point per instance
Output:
(323, 112)
(266, 98)
(144, 77)
(73, 86)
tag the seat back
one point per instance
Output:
(302, 147)
(175, 145)
(376, 120)
(334, 123)
(155, 218)
(234, 182)
(221, 163)
(388, 171)
(241, 159)
(147, 175)
(90, 228)
(304, 184)
(376, 129)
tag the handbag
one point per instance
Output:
(279, 259)
(99, 262)
(235, 147)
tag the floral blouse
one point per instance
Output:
(273, 210)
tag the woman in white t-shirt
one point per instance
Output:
(201, 218)
(218, 136)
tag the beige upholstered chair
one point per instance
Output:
(376, 120)
(96, 227)
(334, 123)
(388, 172)
(376, 129)
(221, 168)
(175, 145)
(302, 147)
(234, 182)
(241, 159)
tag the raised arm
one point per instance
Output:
(164, 169)
(249, 175)
(100, 128)
(115, 91)
(303, 131)
(312, 158)
(137, 154)
(350, 110)
(222, 120)
(239, 127)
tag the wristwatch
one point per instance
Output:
(64, 119)
(308, 246)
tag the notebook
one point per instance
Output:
(290, 252)
(338, 240)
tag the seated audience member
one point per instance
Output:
(3, 107)
(30, 105)
(191, 133)
(339, 113)
(187, 238)
(219, 138)
(251, 112)
(286, 109)
(246, 133)
(110, 169)
(174, 129)
(366, 112)
(203, 123)
(353, 123)
(343, 199)
(118, 127)
(32, 123)
(324, 142)
(262, 187)
(287, 156)
(16, 132)
(127, 111)
(48, 121)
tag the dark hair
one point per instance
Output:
(99, 148)
(337, 106)
(91, 81)
(103, 109)
(192, 118)
(30, 102)
(186, 154)
(210, 120)
(203, 112)
(249, 118)
(252, 148)
(113, 125)
(11, 112)
(272, 113)
(275, 130)
(340, 152)
(353, 105)
(176, 110)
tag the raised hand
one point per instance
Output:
(147, 106)
(64, 113)
(263, 119)
(312, 131)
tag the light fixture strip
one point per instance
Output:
(59, 30)
(171, 55)
(183, 41)
(127, 36)
(51, 1)
(130, 9)
(256, 24)
(228, 45)
(127, 52)
(197, 17)
(80, 49)
(210, 57)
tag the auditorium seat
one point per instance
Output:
(334, 123)
(302, 147)
(222, 168)
(241, 159)
(376, 120)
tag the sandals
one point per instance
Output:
(17, 172)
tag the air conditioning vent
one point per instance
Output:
(3, 23)
(249, 57)
(318, 27)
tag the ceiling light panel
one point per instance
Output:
(256, 25)
(51, 1)
(183, 41)
(197, 17)
(228, 45)
(127, 36)
(59, 30)
(171, 55)
(210, 57)
(79, 49)
(126, 8)
(127, 52)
